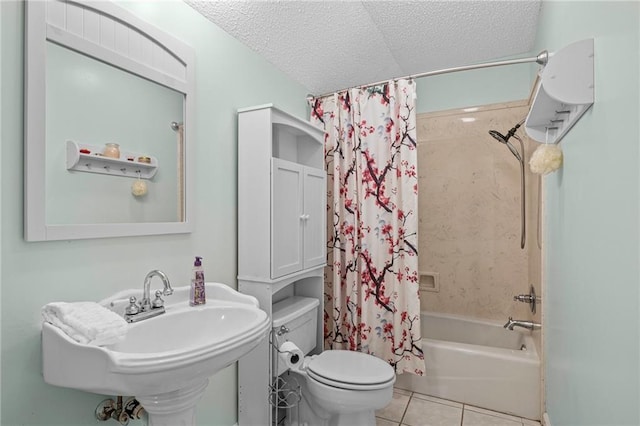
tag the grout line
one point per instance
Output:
(406, 408)
(486, 412)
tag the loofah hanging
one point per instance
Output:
(546, 158)
(139, 188)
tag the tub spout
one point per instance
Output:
(529, 325)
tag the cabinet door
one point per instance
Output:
(287, 180)
(314, 214)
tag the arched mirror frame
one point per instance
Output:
(170, 63)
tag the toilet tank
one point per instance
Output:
(300, 317)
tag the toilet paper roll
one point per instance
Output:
(290, 355)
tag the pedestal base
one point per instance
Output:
(177, 408)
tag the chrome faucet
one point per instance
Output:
(529, 325)
(145, 303)
(148, 308)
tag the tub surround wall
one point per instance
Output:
(470, 213)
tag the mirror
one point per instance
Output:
(92, 102)
(96, 74)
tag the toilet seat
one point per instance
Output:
(348, 386)
(350, 370)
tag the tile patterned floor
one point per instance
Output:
(414, 409)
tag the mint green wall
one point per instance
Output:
(592, 212)
(591, 300)
(229, 76)
(472, 88)
(1, 139)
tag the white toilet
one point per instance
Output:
(338, 387)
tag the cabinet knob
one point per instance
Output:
(304, 217)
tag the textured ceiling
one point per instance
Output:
(331, 45)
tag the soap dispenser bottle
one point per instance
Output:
(197, 284)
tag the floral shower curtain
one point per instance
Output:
(372, 300)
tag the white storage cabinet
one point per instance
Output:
(281, 232)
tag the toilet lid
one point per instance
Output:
(350, 370)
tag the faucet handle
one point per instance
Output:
(158, 302)
(531, 299)
(132, 309)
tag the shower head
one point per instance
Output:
(505, 139)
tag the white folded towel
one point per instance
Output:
(86, 322)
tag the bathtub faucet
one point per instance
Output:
(529, 325)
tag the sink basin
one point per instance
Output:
(163, 354)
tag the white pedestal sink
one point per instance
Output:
(164, 361)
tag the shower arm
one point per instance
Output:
(512, 132)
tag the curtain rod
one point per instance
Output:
(541, 59)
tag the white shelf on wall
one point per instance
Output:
(126, 166)
(564, 93)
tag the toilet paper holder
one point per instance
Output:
(283, 394)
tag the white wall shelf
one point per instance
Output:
(126, 166)
(564, 93)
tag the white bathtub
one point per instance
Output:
(479, 363)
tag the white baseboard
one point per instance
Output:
(545, 419)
